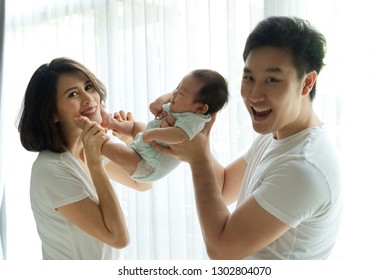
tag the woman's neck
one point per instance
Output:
(76, 148)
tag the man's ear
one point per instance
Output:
(202, 109)
(309, 82)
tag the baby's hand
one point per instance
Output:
(167, 121)
(156, 109)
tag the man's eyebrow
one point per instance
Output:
(246, 70)
(273, 69)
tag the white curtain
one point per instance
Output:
(140, 49)
(2, 189)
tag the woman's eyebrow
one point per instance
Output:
(69, 89)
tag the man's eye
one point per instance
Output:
(271, 80)
(247, 78)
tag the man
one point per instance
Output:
(288, 183)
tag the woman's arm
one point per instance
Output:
(103, 219)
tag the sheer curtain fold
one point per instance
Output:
(3, 224)
(140, 49)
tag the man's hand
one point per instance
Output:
(195, 151)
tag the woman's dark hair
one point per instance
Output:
(214, 92)
(307, 46)
(37, 129)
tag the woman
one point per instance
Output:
(75, 207)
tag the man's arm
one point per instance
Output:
(231, 236)
(230, 179)
(227, 236)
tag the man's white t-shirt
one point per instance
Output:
(58, 179)
(297, 180)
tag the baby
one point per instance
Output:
(199, 94)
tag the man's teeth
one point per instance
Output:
(261, 110)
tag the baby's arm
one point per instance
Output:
(156, 106)
(168, 135)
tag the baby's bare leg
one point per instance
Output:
(122, 155)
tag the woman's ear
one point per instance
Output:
(55, 118)
(309, 82)
(202, 109)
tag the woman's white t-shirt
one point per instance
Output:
(58, 179)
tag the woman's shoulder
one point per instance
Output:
(51, 161)
(47, 156)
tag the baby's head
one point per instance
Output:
(202, 91)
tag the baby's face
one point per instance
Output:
(184, 95)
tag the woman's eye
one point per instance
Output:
(88, 87)
(73, 94)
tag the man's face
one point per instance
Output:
(272, 91)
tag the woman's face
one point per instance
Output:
(76, 97)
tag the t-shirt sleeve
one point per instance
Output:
(293, 191)
(191, 123)
(246, 155)
(58, 185)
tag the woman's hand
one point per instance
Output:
(93, 136)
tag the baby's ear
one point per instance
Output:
(202, 109)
